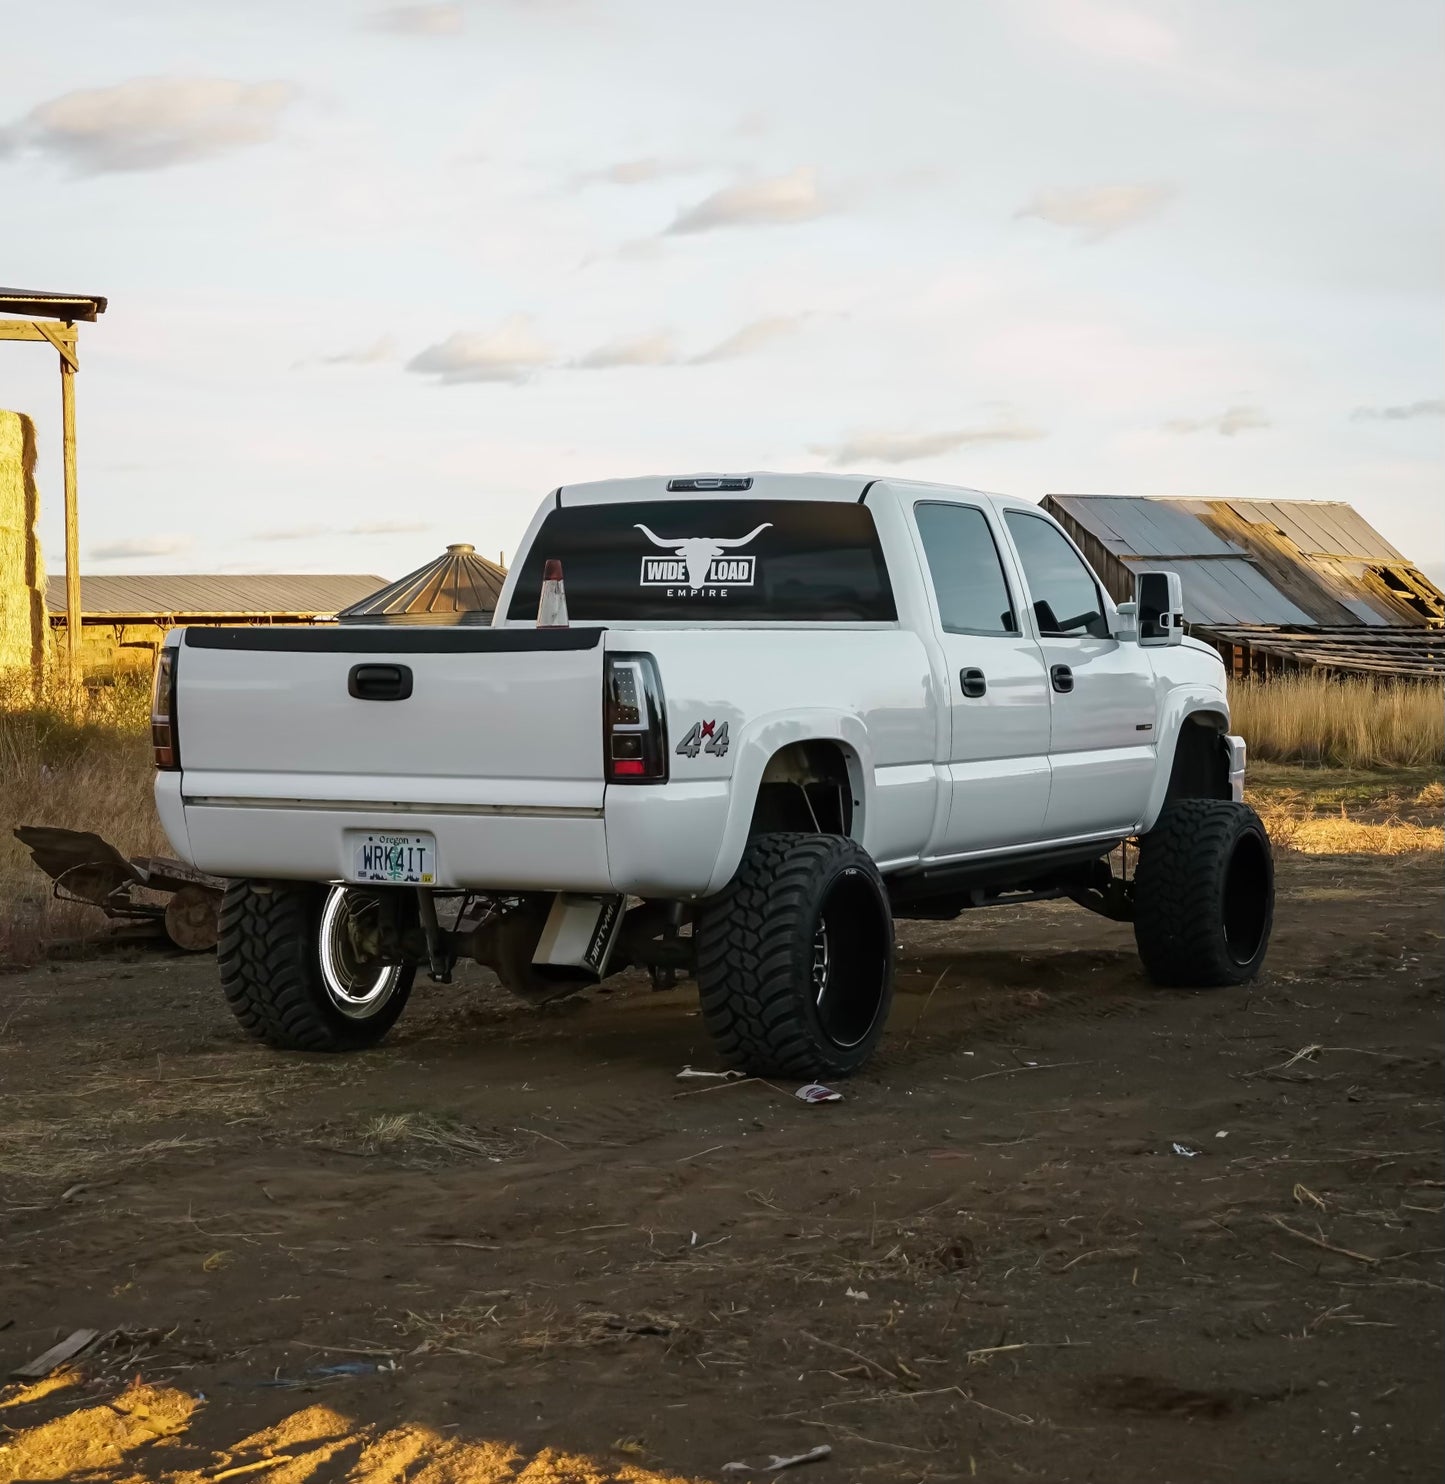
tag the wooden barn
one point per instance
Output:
(1274, 585)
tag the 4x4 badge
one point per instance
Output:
(705, 736)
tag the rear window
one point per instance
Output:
(768, 561)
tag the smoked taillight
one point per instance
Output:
(634, 724)
(163, 711)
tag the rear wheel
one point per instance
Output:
(795, 958)
(300, 967)
(1204, 895)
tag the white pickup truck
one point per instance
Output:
(774, 713)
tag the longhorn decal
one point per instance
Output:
(699, 560)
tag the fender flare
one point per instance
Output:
(757, 743)
(1177, 706)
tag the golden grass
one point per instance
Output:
(1340, 723)
(1298, 829)
(1344, 811)
(81, 763)
(144, 1432)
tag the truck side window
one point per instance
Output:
(1065, 595)
(963, 560)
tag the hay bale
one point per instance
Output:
(24, 622)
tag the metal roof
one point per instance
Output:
(1275, 562)
(213, 595)
(38, 302)
(459, 587)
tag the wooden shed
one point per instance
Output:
(125, 619)
(1274, 585)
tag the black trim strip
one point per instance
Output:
(557, 498)
(866, 488)
(355, 639)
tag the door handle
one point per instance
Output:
(973, 683)
(1062, 678)
(379, 682)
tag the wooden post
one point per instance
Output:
(72, 526)
(63, 338)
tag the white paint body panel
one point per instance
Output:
(499, 755)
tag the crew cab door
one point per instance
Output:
(997, 762)
(1101, 689)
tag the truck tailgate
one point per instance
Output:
(401, 716)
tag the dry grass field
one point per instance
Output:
(1340, 723)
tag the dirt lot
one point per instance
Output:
(1066, 1228)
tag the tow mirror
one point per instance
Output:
(1159, 600)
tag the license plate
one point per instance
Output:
(397, 860)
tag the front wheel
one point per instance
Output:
(1204, 895)
(795, 958)
(299, 966)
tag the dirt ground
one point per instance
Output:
(1066, 1227)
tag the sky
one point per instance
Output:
(381, 277)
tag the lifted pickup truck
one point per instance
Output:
(770, 714)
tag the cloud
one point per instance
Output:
(640, 350)
(1236, 419)
(419, 20)
(638, 172)
(1115, 32)
(384, 348)
(751, 337)
(511, 352)
(151, 123)
(794, 197)
(141, 546)
(387, 528)
(903, 448)
(361, 528)
(291, 533)
(1099, 211)
(1404, 412)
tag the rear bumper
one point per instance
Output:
(1236, 767)
(519, 852)
(654, 841)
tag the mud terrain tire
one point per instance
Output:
(1204, 895)
(271, 971)
(795, 958)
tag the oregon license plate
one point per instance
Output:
(396, 860)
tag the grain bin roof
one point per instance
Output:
(459, 587)
(212, 595)
(1277, 562)
(38, 303)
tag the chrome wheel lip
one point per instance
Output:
(821, 963)
(356, 995)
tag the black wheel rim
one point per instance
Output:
(849, 960)
(1247, 898)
